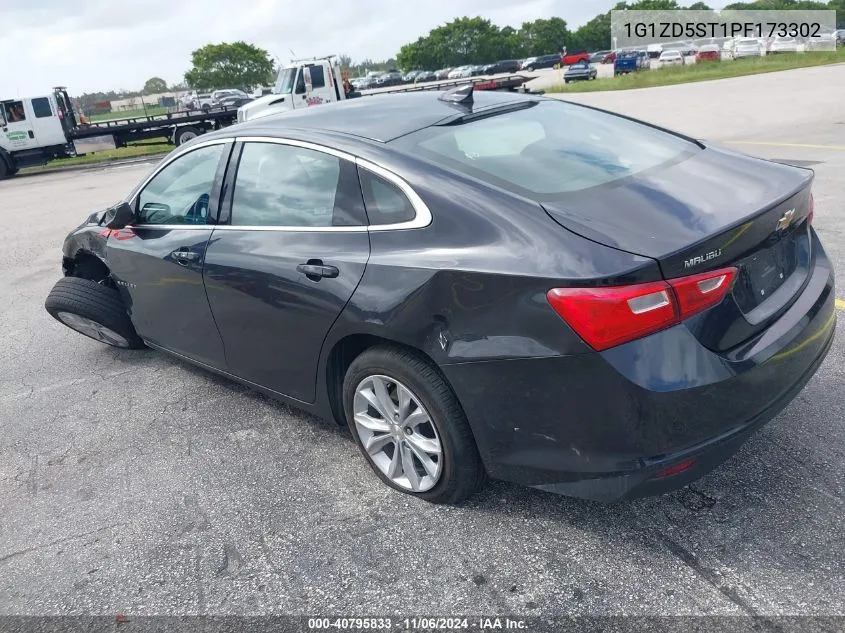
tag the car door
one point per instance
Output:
(18, 132)
(316, 87)
(157, 261)
(289, 252)
(46, 124)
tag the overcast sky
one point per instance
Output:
(90, 45)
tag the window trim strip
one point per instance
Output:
(422, 214)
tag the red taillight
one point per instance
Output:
(812, 206)
(699, 292)
(606, 317)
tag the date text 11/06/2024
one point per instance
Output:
(419, 623)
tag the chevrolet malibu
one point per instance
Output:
(600, 308)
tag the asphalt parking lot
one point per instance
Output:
(133, 483)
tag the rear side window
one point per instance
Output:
(385, 202)
(41, 107)
(549, 149)
(289, 186)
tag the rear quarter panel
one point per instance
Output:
(472, 285)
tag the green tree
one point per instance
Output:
(699, 6)
(154, 85)
(594, 35)
(462, 41)
(542, 37)
(235, 65)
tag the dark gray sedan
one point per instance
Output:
(476, 285)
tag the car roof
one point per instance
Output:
(376, 117)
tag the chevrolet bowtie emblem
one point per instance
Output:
(785, 220)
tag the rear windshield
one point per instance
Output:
(549, 149)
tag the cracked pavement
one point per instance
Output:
(133, 483)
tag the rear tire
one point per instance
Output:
(5, 172)
(444, 435)
(185, 134)
(94, 310)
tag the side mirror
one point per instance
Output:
(118, 216)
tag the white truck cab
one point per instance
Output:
(30, 129)
(303, 83)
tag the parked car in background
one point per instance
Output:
(199, 101)
(654, 50)
(783, 45)
(630, 62)
(461, 72)
(443, 73)
(544, 61)
(261, 92)
(708, 53)
(840, 37)
(363, 83)
(580, 70)
(571, 58)
(825, 39)
(745, 47)
(507, 66)
(525, 63)
(218, 95)
(671, 58)
(603, 57)
(425, 75)
(233, 101)
(390, 78)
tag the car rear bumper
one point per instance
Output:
(603, 425)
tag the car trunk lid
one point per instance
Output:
(708, 211)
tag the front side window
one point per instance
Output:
(41, 108)
(181, 192)
(286, 186)
(14, 111)
(548, 149)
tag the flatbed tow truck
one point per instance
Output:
(35, 130)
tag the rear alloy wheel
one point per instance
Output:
(94, 310)
(409, 425)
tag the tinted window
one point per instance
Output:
(41, 107)
(317, 78)
(180, 193)
(548, 149)
(283, 185)
(385, 202)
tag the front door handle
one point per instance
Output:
(315, 270)
(184, 256)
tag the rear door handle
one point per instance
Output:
(316, 271)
